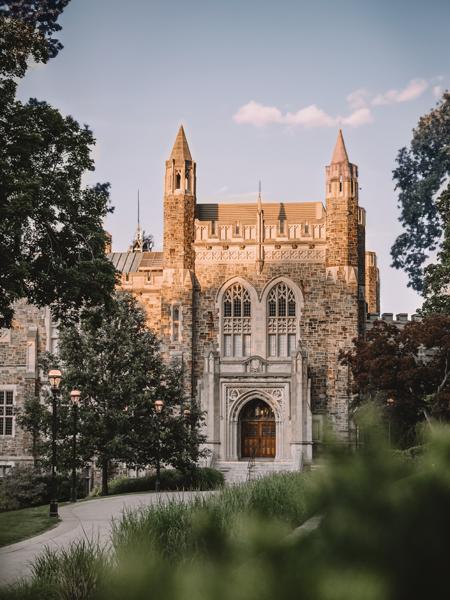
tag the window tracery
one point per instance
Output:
(281, 321)
(237, 314)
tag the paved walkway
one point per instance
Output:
(90, 519)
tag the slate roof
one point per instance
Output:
(131, 262)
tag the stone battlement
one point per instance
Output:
(401, 319)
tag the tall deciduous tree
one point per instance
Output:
(406, 371)
(436, 288)
(51, 227)
(421, 171)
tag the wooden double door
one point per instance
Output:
(258, 437)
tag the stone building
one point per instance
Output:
(255, 299)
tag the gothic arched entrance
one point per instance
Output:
(257, 425)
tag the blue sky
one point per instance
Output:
(261, 88)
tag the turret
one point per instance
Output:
(342, 214)
(179, 206)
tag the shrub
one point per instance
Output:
(170, 480)
(22, 487)
(25, 486)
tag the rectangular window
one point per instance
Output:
(272, 345)
(6, 412)
(227, 345)
(213, 228)
(237, 350)
(291, 343)
(247, 345)
(282, 345)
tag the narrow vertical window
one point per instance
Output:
(6, 412)
(236, 322)
(178, 181)
(176, 318)
(340, 183)
(281, 321)
(227, 345)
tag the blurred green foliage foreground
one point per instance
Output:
(384, 534)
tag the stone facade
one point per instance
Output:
(315, 252)
(256, 300)
(32, 333)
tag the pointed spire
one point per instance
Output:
(259, 197)
(340, 153)
(180, 150)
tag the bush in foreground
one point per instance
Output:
(383, 535)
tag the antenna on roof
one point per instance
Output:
(139, 220)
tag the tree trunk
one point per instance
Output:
(105, 478)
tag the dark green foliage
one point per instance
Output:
(25, 486)
(421, 170)
(113, 359)
(408, 367)
(437, 276)
(171, 479)
(383, 535)
(21, 487)
(51, 227)
(26, 30)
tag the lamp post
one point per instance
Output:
(159, 405)
(54, 378)
(75, 397)
(390, 404)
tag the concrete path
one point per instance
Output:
(91, 519)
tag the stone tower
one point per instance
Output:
(344, 262)
(179, 205)
(177, 287)
(342, 214)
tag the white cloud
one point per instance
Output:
(310, 116)
(257, 114)
(413, 90)
(358, 98)
(362, 116)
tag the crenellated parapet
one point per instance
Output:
(401, 319)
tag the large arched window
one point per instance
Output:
(237, 312)
(281, 320)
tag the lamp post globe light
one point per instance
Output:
(159, 405)
(54, 378)
(75, 398)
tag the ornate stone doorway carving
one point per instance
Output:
(257, 424)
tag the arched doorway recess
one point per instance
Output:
(257, 426)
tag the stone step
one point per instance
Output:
(239, 471)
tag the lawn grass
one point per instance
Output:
(17, 525)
